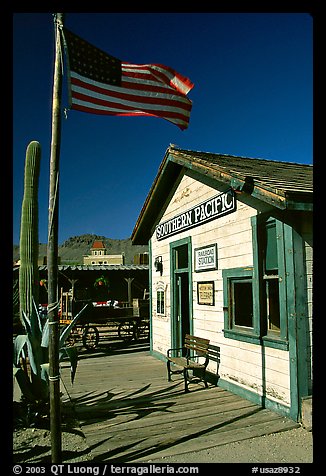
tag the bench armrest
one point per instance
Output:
(178, 349)
(195, 358)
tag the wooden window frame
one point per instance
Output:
(258, 334)
(162, 298)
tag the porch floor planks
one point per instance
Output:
(181, 415)
(180, 439)
(162, 424)
(171, 431)
(129, 412)
(151, 412)
(162, 396)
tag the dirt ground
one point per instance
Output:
(33, 445)
(292, 446)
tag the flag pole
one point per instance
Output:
(52, 251)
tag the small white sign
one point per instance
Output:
(206, 258)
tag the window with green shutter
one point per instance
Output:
(255, 298)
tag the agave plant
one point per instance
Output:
(34, 345)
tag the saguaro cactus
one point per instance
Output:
(28, 271)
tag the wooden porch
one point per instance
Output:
(129, 412)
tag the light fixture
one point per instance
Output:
(243, 186)
(158, 264)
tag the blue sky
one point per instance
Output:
(252, 97)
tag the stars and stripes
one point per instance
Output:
(102, 84)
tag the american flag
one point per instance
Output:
(102, 84)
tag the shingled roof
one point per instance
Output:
(284, 185)
(279, 177)
(98, 244)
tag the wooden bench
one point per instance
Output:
(194, 356)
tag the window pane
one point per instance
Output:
(271, 247)
(273, 305)
(242, 303)
(160, 302)
(182, 257)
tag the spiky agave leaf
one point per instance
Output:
(36, 341)
(24, 384)
(72, 354)
(66, 331)
(29, 345)
(45, 335)
(19, 344)
(36, 323)
(45, 370)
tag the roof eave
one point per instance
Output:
(276, 199)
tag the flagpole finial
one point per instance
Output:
(58, 18)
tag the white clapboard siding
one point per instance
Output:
(241, 362)
(309, 285)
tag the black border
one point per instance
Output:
(204, 303)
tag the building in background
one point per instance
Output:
(99, 255)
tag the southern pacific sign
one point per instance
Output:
(213, 208)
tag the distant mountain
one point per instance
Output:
(73, 250)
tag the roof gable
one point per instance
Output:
(284, 185)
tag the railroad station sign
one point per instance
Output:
(205, 258)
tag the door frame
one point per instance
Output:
(173, 274)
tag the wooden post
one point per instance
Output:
(72, 282)
(129, 281)
(52, 252)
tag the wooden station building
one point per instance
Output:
(230, 242)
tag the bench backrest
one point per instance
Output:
(196, 344)
(214, 353)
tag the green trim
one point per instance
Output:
(277, 342)
(290, 287)
(293, 308)
(282, 279)
(302, 315)
(297, 318)
(150, 283)
(238, 390)
(260, 400)
(158, 355)
(242, 336)
(251, 338)
(300, 206)
(172, 298)
(173, 246)
(244, 272)
(255, 336)
(256, 276)
(250, 335)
